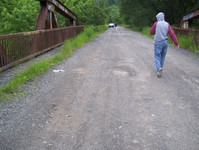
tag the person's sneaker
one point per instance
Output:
(159, 73)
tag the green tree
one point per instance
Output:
(18, 16)
(88, 11)
(142, 13)
(113, 14)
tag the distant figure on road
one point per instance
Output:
(161, 29)
(115, 26)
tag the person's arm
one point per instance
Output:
(152, 30)
(173, 36)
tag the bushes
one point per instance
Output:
(145, 31)
(188, 43)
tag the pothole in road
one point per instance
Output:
(124, 71)
(120, 73)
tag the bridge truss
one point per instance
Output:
(20, 47)
(47, 18)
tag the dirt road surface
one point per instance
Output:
(107, 97)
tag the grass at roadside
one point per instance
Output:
(15, 86)
(188, 43)
(184, 41)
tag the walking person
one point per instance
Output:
(161, 29)
(115, 26)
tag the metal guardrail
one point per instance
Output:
(17, 48)
(188, 32)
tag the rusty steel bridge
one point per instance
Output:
(17, 48)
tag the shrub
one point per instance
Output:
(146, 31)
(188, 43)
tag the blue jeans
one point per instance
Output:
(160, 51)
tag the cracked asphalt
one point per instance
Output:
(107, 97)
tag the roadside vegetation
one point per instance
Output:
(15, 87)
(185, 42)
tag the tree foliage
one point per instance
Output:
(94, 12)
(142, 13)
(88, 11)
(21, 15)
(18, 16)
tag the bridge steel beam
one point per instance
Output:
(47, 18)
(42, 16)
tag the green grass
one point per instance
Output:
(188, 43)
(145, 31)
(184, 41)
(15, 86)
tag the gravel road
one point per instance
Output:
(108, 97)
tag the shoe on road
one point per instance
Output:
(159, 73)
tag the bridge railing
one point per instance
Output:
(16, 48)
(188, 32)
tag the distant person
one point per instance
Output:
(115, 26)
(161, 29)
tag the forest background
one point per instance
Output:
(21, 15)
